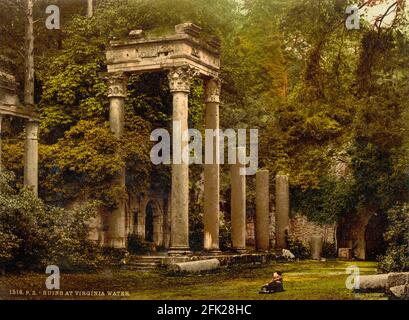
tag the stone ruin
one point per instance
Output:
(10, 106)
(160, 218)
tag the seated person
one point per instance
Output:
(275, 285)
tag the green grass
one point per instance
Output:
(307, 280)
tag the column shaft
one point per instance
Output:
(31, 157)
(238, 205)
(282, 210)
(179, 82)
(262, 211)
(212, 171)
(180, 179)
(116, 235)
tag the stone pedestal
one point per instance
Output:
(31, 157)
(116, 236)
(316, 247)
(282, 210)
(179, 82)
(262, 211)
(238, 205)
(212, 171)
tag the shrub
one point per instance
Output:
(329, 250)
(34, 235)
(298, 247)
(397, 237)
(137, 245)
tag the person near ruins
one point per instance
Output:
(275, 285)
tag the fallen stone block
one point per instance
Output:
(316, 247)
(399, 292)
(373, 283)
(196, 266)
(287, 254)
(398, 279)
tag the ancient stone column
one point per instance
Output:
(212, 170)
(238, 204)
(262, 210)
(31, 157)
(179, 81)
(282, 210)
(316, 247)
(117, 88)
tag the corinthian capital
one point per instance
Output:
(117, 85)
(180, 78)
(212, 92)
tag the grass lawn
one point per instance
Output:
(302, 280)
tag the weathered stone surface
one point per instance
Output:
(373, 283)
(117, 90)
(31, 157)
(188, 28)
(212, 171)
(287, 254)
(345, 253)
(150, 53)
(316, 247)
(399, 292)
(136, 34)
(282, 210)
(196, 266)
(398, 279)
(238, 204)
(262, 210)
(179, 82)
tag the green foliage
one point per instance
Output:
(137, 245)
(329, 250)
(397, 237)
(35, 235)
(289, 68)
(298, 247)
(326, 203)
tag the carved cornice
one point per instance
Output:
(117, 85)
(212, 92)
(180, 78)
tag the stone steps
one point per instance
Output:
(144, 263)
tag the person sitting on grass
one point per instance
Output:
(275, 285)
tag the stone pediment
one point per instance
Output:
(141, 53)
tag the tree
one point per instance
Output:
(34, 235)
(90, 8)
(29, 56)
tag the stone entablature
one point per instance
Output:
(10, 104)
(151, 54)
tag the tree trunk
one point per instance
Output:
(29, 57)
(90, 8)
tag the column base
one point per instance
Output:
(240, 250)
(212, 252)
(116, 243)
(179, 251)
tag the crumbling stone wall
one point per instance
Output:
(300, 227)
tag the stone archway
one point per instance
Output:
(151, 222)
(375, 243)
(354, 231)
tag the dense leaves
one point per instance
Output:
(34, 235)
